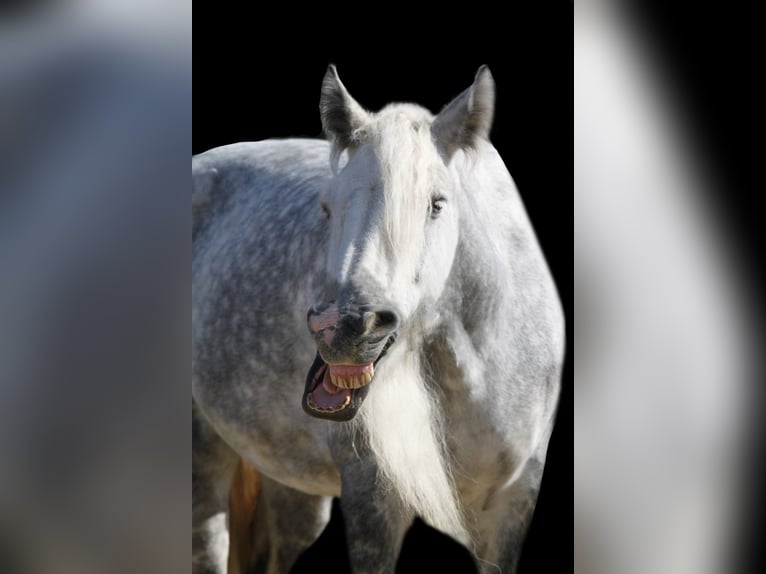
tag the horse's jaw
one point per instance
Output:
(336, 392)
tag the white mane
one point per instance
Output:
(402, 424)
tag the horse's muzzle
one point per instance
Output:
(350, 343)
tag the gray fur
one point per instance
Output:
(490, 347)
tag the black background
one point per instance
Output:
(256, 77)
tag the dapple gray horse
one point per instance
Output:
(372, 319)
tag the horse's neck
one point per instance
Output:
(496, 251)
(482, 276)
(479, 297)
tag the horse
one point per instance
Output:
(372, 319)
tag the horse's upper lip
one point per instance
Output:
(390, 339)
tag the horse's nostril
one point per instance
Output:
(388, 319)
(382, 320)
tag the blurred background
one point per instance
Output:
(668, 239)
(654, 465)
(95, 132)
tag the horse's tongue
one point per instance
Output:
(328, 396)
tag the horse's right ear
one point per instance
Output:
(341, 115)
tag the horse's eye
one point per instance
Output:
(325, 209)
(437, 204)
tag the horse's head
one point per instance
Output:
(393, 231)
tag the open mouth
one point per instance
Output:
(334, 391)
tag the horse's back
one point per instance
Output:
(267, 173)
(272, 155)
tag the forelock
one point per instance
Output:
(410, 166)
(411, 170)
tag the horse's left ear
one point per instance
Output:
(467, 118)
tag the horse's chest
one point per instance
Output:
(482, 450)
(485, 449)
(481, 462)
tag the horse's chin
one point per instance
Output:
(336, 392)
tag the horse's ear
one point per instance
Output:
(467, 118)
(341, 115)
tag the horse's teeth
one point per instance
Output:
(351, 381)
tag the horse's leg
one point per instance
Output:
(503, 520)
(213, 464)
(375, 520)
(243, 499)
(286, 522)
